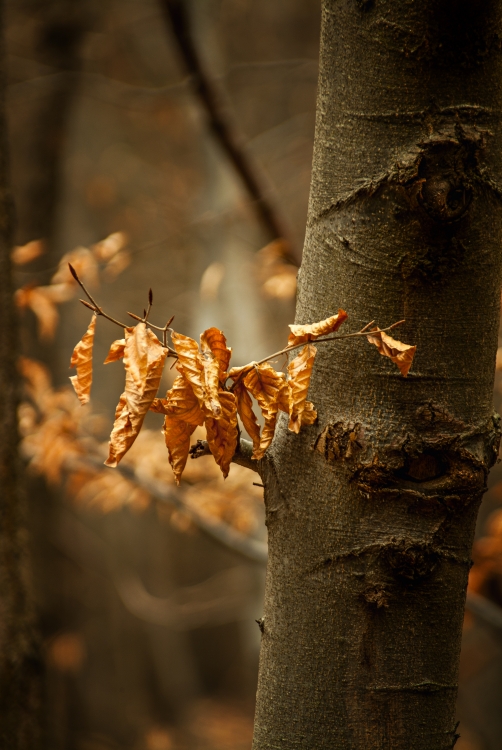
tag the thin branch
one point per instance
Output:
(221, 125)
(287, 349)
(99, 311)
(250, 548)
(242, 455)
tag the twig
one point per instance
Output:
(250, 548)
(287, 349)
(221, 125)
(242, 455)
(99, 311)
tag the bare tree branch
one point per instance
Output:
(250, 548)
(222, 127)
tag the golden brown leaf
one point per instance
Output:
(136, 351)
(222, 433)
(302, 333)
(116, 351)
(266, 385)
(282, 285)
(177, 436)
(82, 360)
(214, 340)
(135, 402)
(401, 354)
(246, 413)
(201, 372)
(43, 306)
(299, 370)
(180, 402)
(26, 253)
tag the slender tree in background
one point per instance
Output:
(371, 513)
(18, 657)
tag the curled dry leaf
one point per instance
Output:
(302, 333)
(246, 413)
(201, 372)
(183, 415)
(177, 435)
(136, 351)
(214, 340)
(116, 351)
(401, 354)
(180, 402)
(135, 401)
(299, 370)
(266, 385)
(222, 433)
(82, 360)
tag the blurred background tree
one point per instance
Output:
(147, 621)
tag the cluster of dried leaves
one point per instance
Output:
(108, 256)
(201, 394)
(60, 440)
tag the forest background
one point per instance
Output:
(146, 596)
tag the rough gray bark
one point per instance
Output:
(369, 545)
(19, 663)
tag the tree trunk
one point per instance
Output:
(19, 664)
(370, 539)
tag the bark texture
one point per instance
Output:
(370, 540)
(19, 663)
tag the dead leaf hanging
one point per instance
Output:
(266, 385)
(302, 333)
(82, 360)
(222, 433)
(177, 435)
(180, 402)
(214, 340)
(299, 370)
(136, 353)
(401, 354)
(246, 413)
(135, 402)
(116, 351)
(190, 363)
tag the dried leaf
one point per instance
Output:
(266, 385)
(401, 354)
(180, 402)
(116, 265)
(136, 351)
(201, 372)
(26, 253)
(135, 402)
(299, 370)
(222, 433)
(82, 360)
(43, 306)
(302, 333)
(116, 351)
(177, 435)
(309, 415)
(214, 340)
(246, 413)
